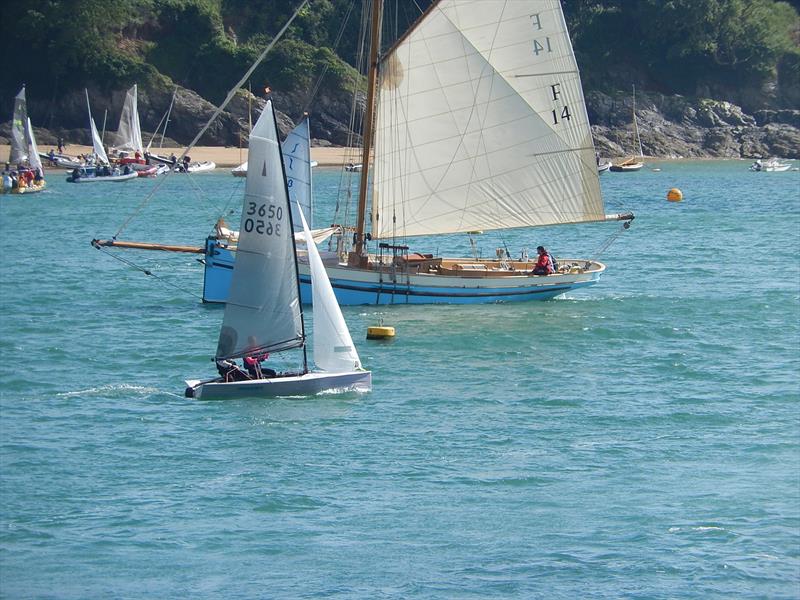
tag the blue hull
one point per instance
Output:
(351, 291)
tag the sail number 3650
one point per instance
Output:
(264, 225)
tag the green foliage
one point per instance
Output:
(683, 46)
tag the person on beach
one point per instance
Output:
(544, 266)
(61, 145)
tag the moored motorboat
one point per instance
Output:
(196, 167)
(90, 174)
(772, 165)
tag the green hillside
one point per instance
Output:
(744, 51)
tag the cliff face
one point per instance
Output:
(669, 126)
(676, 126)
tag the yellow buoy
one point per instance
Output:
(379, 332)
(674, 195)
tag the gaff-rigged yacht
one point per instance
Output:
(263, 313)
(480, 124)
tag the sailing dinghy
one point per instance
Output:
(263, 313)
(632, 163)
(23, 155)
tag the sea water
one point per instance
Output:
(638, 439)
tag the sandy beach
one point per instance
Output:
(225, 157)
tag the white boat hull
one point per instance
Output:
(626, 168)
(197, 167)
(294, 385)
(371, 287)
(104, 178)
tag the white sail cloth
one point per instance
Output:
(482, 124)
(97, 144)
(129, 132)
(33, 150)
(263, 312)
(19, 146)
(297, 163)
(334, 350)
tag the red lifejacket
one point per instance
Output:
(545, 263)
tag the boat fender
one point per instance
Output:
(189, 393)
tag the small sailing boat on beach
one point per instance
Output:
(129, 149)
(26, 175)
(631, 163)
(99, 171)
(263, 313)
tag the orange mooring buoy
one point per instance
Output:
(674, 195)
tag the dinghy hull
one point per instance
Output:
(296, 385)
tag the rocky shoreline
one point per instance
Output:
(669, 126)
(679, 127)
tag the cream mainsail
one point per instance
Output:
(482, 124)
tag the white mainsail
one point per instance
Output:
(33, 150)
(19, 146)
(482, 124)
(297, 162)
(97, 145)
(334, 350)
(129, 132)
(263, 311)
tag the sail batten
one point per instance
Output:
(482, 124)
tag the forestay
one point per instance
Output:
(129, 132)
(263, 308)
(334, 350)
(297, 162)
(482, 123)
(19, 146)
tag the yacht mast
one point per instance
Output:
(369, 117)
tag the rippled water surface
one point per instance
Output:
(639, 438)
